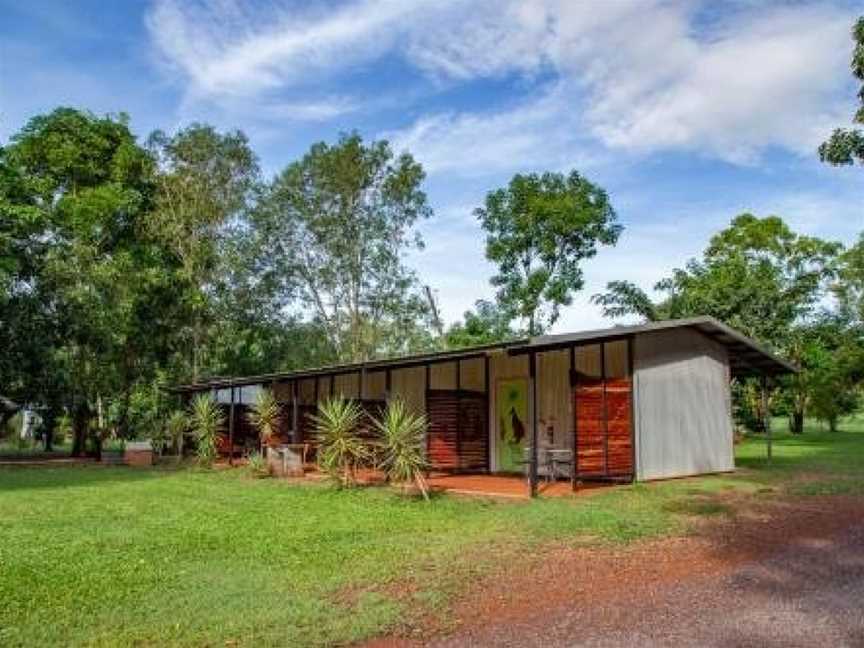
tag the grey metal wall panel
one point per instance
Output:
(682, 405)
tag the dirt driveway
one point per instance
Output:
(778, 574)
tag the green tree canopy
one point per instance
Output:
(846, 145)
(830, 354)
(486, 324)
(849, 287)
(756, 275)
(538, 231)
(206, 183)
(77, 190)
(335, 226)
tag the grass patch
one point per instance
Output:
(698, 507)
(115, 556)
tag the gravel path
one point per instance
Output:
(809, 593)
(770, 581)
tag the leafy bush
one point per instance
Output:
(747, 406)
(256, 464)
(12, 428)
(205, 421)
(402, 435)
(340, 450)
(159, 439)
(264, 415)
(63, 429)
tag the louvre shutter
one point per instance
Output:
(442, 411)
(458, 435)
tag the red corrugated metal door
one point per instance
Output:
(604, 444)
(619, 440)
(590, 428)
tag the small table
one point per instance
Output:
(293, 456)
(557, 458)
(551, 459)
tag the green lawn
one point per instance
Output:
(116, 556)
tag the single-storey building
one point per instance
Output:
(642, 402)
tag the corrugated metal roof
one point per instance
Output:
(746, 356)
(370, 365)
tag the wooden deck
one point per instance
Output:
(509, 486)
(478, 485)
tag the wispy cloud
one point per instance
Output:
(635, 76)
(645, 77)
(487, 143)
(227, 48)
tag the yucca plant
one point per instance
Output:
(402, 449)
(340, 450)
(159, 437)
(205, 421)
(177, 426)
(264, 415)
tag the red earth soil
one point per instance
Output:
(774, 573)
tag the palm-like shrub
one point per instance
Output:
(340, 450)
(205, 421)
(159, 438)
(402, 449)
(177, 425)
(264, 415)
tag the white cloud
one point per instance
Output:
(643, 77)
(223, 48)
(637, 76)
(766, 79)
(482, 144)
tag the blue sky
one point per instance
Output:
(686, 112)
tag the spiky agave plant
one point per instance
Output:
(177, 426)
(264, 415)
(401, 434)
(340, 450)
(205, 421)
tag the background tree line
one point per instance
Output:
(126, 266)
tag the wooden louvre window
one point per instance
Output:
(457, 434)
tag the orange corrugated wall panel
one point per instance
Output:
(604, 445)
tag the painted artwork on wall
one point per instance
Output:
(512, 413)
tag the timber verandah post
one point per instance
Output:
(489, 414)
(295, 431)
(766, 417)
(532, 475)
(574, 465)
(231, 429)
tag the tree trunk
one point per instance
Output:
(80, 424)
(48, 425)
(4, 418)
(97, 445)
(796, 422)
